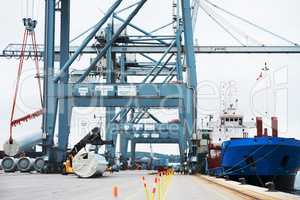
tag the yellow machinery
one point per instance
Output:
(67, 166)
(93, 137)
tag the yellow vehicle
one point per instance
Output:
(94, 138)
(67, 166)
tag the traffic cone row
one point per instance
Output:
(160, 185)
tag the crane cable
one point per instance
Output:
(233, 27)
(251, 23)
(29, 9)
(222, 26)
(28, 32)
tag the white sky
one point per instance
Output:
(281, 17)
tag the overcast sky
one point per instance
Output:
(281, 17)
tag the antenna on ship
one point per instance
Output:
(263, 75)
(266, 70)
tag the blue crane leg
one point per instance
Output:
(50, 99)
(65, 108)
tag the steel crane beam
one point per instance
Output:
(87, 40)
(14, 50)
(113, 39)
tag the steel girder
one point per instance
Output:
(14, 50)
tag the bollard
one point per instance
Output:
(226, 177)
(242, 181)
(271, 186)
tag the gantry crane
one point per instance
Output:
(61, 96)
(168, 57)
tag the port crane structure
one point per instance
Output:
(167, 80)
(126, 102)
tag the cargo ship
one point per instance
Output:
(244, 150)
(264, 159)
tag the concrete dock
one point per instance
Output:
(130, 186)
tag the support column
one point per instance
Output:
(50, 101)
(123, 135)
(110, 111)
(133, 146)
(65, 110)
(190, 100)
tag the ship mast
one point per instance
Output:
(265, 71)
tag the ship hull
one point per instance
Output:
(262, 159)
